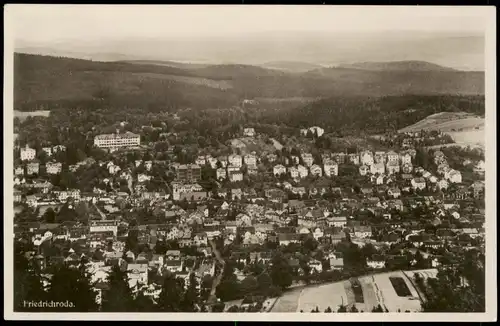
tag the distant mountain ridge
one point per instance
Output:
(51, 79)
(410, 65)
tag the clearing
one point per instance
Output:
(373, 290)
(23, 115)
(447, 122)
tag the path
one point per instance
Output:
(213, 298)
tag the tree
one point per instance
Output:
(328, 309)
(49, 216)
(70, 284)
(354, 309)
(191, 294)
(28, 284)
(171, 295)
(118, 297)
(281, 273)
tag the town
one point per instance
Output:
(253, 222)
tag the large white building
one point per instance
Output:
(28, 154)
(103, 226)
(117, 140)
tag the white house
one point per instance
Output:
(303, 171)
(393, 157)
(366, 158)
(235, 160)
(249, 132)
(331, 169)
(418, 183)
(221, 174)
(377, 168)
(250, 160)
(316, 170)
(27, 153)
(294, 172)
(307, 158)
(363, 170)
(453, 176)
(53, 168)
(236, 176)
(279, 169)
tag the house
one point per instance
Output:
(339, 157)
(380, 157)
(235, 176)
(338, 237)
(33, 168)
(294, 172)
(250, 160)
(366, 158)
(19, 170)
(407, 168)
(27, 153)
(362, 231)
(200, 160)
(376, 262)
(336, 264)
(53, 168)
(303, 171)
(377, 168)
(221, 174)
(394, 192)
(279, 170)
(248, 132)
(315, 266)
(137, 275)
(337, 221)
(392, 167)
(235, 160)
(442, 184)
(331, 169)
(353, 158)
(418, 183)
(316, 170)
(363, 169)
(406, 159)
(307, 158)
(453, 176)
(287, 238)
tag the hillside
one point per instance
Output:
(397, 66)
(43, 81)
(175, 64)
(376, 115)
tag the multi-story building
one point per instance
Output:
(331, 169)
(188, 173)
(279, 169)
(179, 189)
(235, 176)
(103, 226)
(250, 160)
(366, 158)
(33, 168)
(307, 158)
(127, 139)
(221, 174)
(235, 160)
(27, 153)
(249, 132)
(53, 168)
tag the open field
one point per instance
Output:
(23, 115)
(447, 122)
(376, 289)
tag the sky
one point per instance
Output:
(52, 23)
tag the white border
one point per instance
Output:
(491, 286)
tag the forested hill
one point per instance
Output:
(376, 115)
(43, 81)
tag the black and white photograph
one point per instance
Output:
(223, 162)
